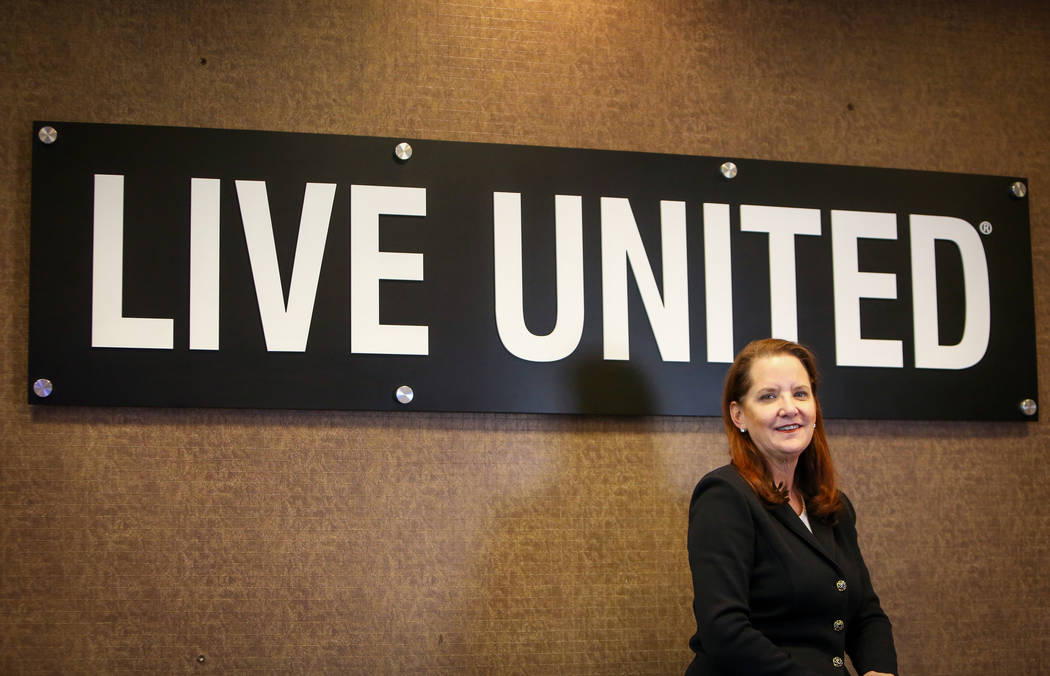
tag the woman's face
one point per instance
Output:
(780, 409)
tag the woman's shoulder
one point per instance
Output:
(724, 482)
(724, 474)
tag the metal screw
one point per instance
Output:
(729, 170)
(47, 135)
(200, 659)
(404, 394)
(985, 227)
(1029, 407)
(1018, 189)
(42, 388)
(403, 151)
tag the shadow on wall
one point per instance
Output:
(573, 574)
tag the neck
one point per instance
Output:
(783, 474)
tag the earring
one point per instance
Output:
(814, 425)
(743, 430)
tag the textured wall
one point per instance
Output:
(380, 543)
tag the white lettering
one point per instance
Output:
(782, 224)
(929, 353)
(510, 313)
(109, 326)
(204, 264)
(286, 327)
(286, 322)
(668, 317)
(718, 283)
(369, 265)
(850, 285)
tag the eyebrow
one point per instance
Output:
(774, 388)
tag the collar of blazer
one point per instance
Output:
(821, 539)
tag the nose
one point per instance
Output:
(788, 406)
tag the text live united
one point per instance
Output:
(660, 275)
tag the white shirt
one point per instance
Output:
(805, 518)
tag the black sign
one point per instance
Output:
(200, 267)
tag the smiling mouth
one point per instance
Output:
(789, 428)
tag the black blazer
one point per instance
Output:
(773, 599)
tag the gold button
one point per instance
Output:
(840, 585)
(838, 625)
(836, 661)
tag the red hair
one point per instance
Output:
(815, 473)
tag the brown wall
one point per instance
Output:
(385, 543)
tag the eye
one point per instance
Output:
(802, 394)
(767, 396)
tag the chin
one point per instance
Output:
(794, 450)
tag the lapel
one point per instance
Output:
(821, 539)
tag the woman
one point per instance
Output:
(779, 584)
